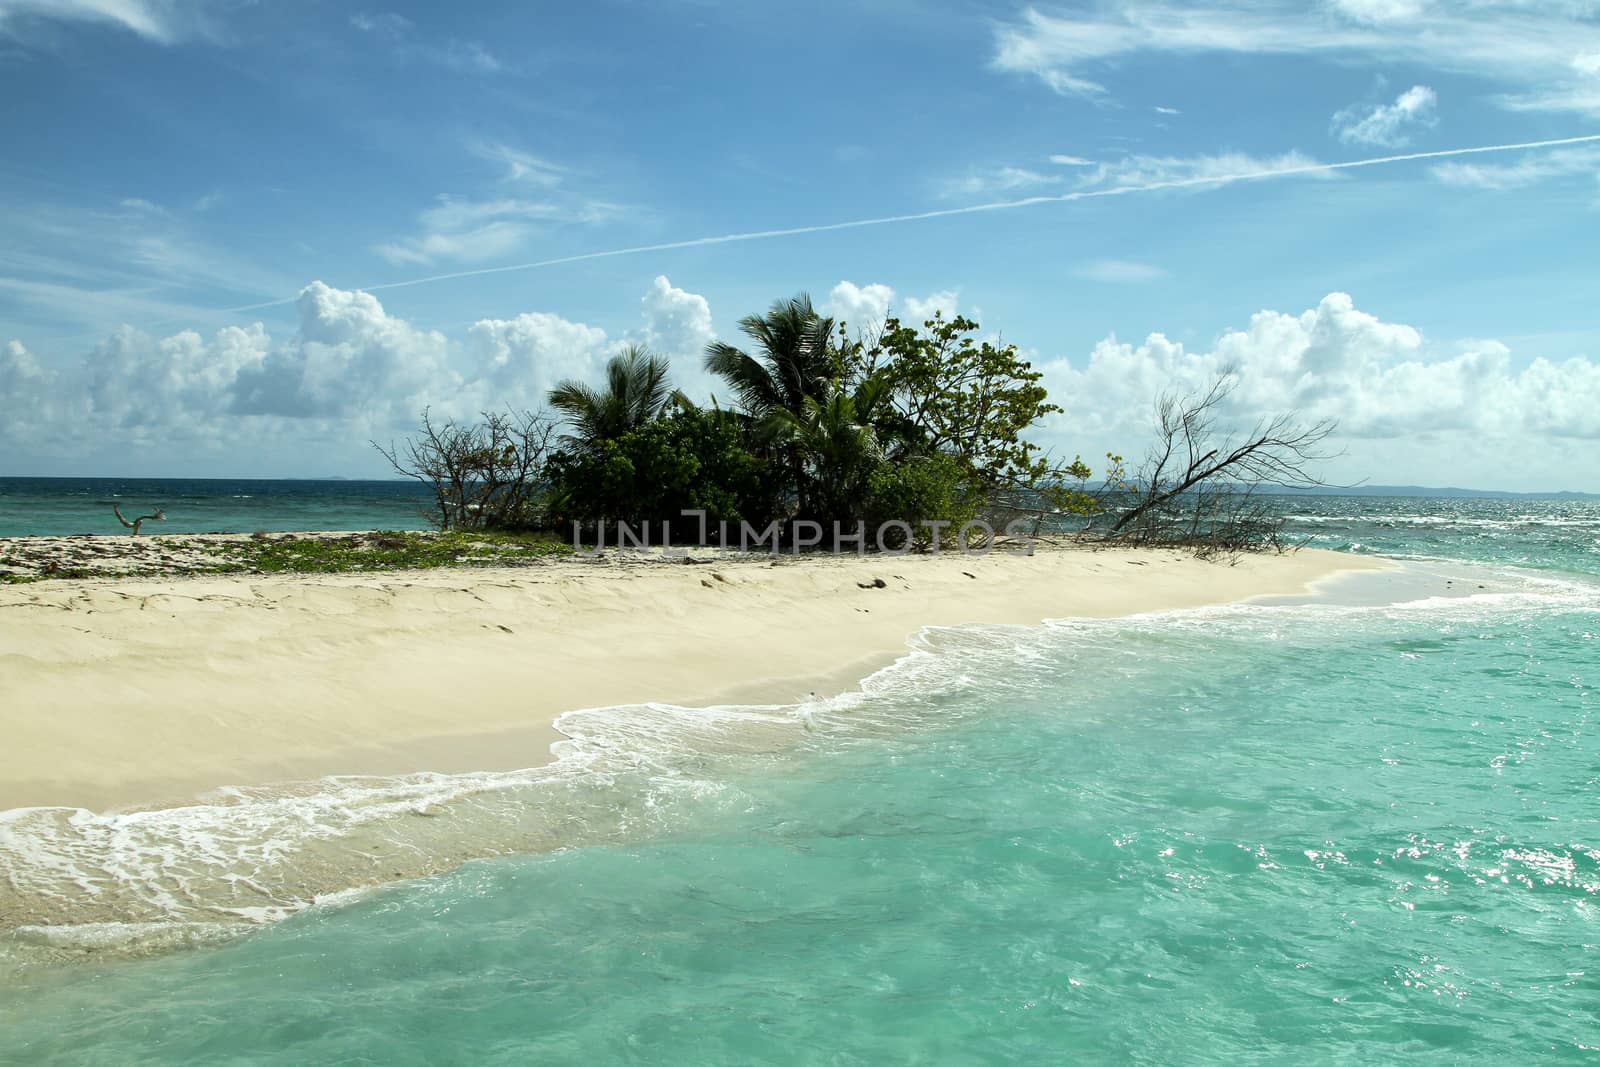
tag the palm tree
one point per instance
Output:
(836, 445)
(793, 360)
(636, 392)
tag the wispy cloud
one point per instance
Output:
(1532, 170)
(1209, 179)
(399, 34)
(1119, 272)
(475, 231)
(140, 206)
(129, 261)
(995, 180)
(1388, 125)
(1071, 161)
(1539, 50)
(162, 21)
(1191, 171)
(520, 166)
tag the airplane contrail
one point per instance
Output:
(970, 209)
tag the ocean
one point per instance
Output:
(68, 506)
(1357, 826)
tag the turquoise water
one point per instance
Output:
(67, 506)
(1291, 831)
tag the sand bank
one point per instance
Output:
(138, 692)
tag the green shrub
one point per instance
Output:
(933, 487)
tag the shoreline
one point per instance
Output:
(241, 681)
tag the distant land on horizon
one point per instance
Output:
(1434, 491)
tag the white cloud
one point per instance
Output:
(474, 231)
(862, 308)
(916, 311)
(399, 35)
(1467, 403)
(1388, 124)
(162, 21)
(1119, 271)
(1378, 11)
(178, 387)
(517, 361)
(349, 357)
(1167, 110)
(1089, 177)
(520, 166)
(995, 180)
(142, 207)
(677, 322)
(1529, 170)
(1538, 49)
(1221, 167)
(383, 23)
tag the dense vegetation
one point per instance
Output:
(917, 434)
(921, 427)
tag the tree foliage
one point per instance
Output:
(915, 424)
(693, 459)
(794, 359)
(636, 392)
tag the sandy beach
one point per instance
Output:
(132, 693)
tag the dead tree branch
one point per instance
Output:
(486, 475)
(1200, 486)
(139, 521)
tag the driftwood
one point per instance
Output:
(139, 521)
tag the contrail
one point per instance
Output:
(971, 209)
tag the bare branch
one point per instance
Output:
(1199, 487)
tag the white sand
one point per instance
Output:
(139, 692)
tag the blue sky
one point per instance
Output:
(171, 161)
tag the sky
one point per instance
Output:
(247, 239)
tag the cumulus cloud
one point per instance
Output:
(517, 361)
(862, 308)
(677, 322)
(180, 383)
(348, 357)
(943, 302)
(865, 307)
(350, 370)
(1388, 124)
(1381, 381)
(28, 388)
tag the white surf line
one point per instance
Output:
(940, 213)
